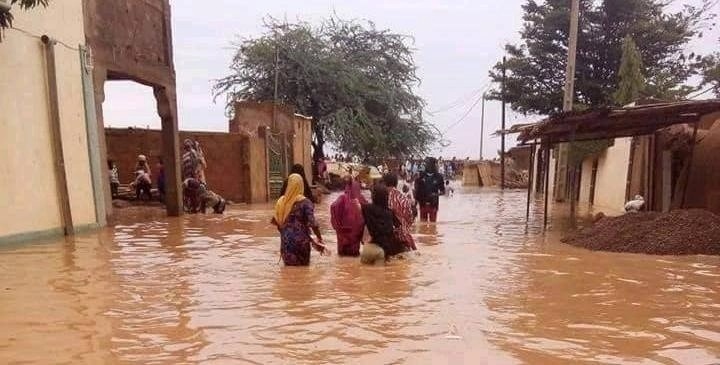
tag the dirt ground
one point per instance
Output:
(680, 232)
(125, 212)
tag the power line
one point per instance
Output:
(467, 113)
(703, 92)
(463, 100)
(458, 102)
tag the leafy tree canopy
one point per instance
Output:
(357, 83)
(536, 67)
(711, 73)
(6, 19)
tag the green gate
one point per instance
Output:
(279, 154)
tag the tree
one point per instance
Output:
(536, 67)
(631, 81)
(6, 19)
(355, 81)
(711, 73)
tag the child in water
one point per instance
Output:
(448, 189)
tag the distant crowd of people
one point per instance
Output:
(373, 231)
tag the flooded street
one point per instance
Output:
(484, 288)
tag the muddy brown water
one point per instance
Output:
(485, 289)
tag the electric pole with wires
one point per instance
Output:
(502, 128)
(482, 124)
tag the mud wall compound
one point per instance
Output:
(703, 190)
(227, 155)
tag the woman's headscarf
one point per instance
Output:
(300, 170)
(293, 194)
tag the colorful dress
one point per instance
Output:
(402, 208)
(347, 220)
(295, 241)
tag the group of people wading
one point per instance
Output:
(386, 221)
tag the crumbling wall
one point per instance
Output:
(251, 115)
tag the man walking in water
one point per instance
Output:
(428, 188)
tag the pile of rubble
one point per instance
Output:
(679, 232)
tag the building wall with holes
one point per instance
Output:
(29, 203)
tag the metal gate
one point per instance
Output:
(279, 154)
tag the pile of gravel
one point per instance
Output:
(679, 232)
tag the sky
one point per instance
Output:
(456, 43)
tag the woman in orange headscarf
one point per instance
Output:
(295, 217)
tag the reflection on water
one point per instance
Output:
(485, 288)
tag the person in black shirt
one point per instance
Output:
(428, 188)
(381, 223)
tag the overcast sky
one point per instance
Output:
(456, 43)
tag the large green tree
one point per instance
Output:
(357, 83)
(6, 18)
(536, 67)
(631, 81)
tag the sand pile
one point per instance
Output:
(680, 232)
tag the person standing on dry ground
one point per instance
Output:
(143, 180)
(202, 163)
(114, 178)
(190, 160)
(295, 218)
(161, 178)
(191, 183)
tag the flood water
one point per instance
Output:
(485, 288)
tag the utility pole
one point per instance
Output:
(502, 128)
(561, 179)
(277, 76)
(482, 124)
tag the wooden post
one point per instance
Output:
(482, 126)
(56, 135)
(547, 184)
(275, 93)
(690, 163)
(531, 169)
(573, 179)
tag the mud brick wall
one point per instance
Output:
(226, 154)
(703, 190)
